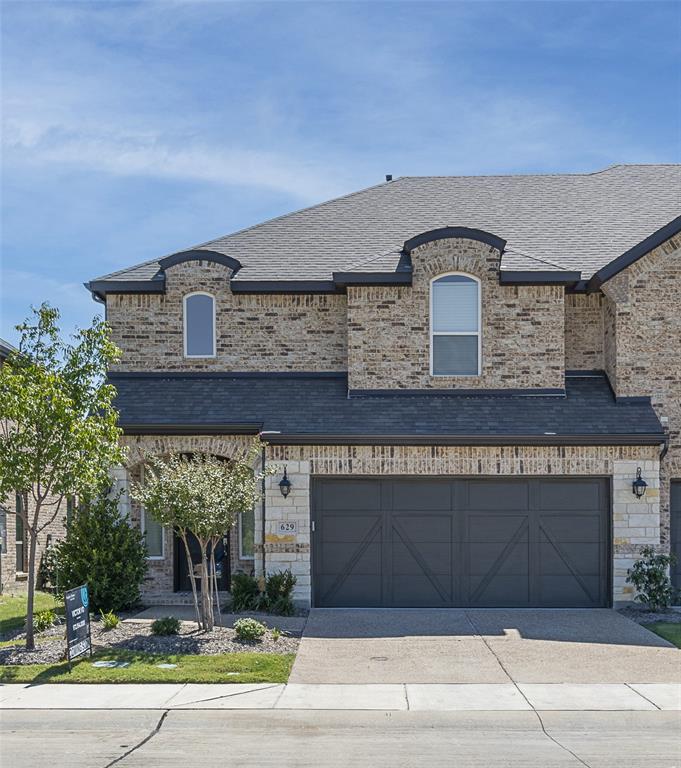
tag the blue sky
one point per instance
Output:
(136, 129)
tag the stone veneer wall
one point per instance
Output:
(522, 327)
(584, 331)
(254, 332)
(644, 326)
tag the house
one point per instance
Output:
(462, 378)
(13, 536)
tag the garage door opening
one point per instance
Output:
(478, 542)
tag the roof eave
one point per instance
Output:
(538, 277)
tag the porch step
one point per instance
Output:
(175, 598)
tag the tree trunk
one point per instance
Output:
(215, 579)
(30, 640)
(206, 602)
(192, 579)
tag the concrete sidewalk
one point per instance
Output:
(389, 697)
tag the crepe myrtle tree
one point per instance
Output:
(58, 433)
(201, 495)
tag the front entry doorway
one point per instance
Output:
(223, 565)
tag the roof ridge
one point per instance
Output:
(541, 175)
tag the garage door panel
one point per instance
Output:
(463, 542)
(424, 527)
(570, 495)
(420, 591)
(349, 527)
(511, 495)
(344, 495)
(427, 495)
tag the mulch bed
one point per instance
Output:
(644, 616)
(136, 636)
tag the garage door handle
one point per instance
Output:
(313, 529)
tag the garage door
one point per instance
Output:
(417, 542)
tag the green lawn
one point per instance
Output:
(670, 632)
(13, 609)
(223, 668)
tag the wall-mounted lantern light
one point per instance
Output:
(285, 485)
(639, 485)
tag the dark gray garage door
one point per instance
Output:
(676, 531)
(467, 542)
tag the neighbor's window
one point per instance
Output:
(199, 325)
(247, 535)
(455, 326)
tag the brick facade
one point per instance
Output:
(254, 332)
(523, 327)
(584, 332)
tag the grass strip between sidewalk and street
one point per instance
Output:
(219, 668)
(667, 630)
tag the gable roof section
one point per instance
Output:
(570, 222)
(6, 349)
(314, 409)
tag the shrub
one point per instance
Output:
(650, 576)
(276, 634)
(47, 576)
(43, 620)
(109, 620)
(279, 592)
(244, 592)
(168, 625)
(104, 551)
(249, 630)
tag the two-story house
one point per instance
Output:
(463, 378)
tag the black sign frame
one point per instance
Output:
(78, 636)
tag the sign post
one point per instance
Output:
(78, 638)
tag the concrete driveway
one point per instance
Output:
(481, 646)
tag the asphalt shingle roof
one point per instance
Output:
(314, 405)
(575, 222)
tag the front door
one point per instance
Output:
(222, 563)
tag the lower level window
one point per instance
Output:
(153, 534)
(20, 538)
(247, 535)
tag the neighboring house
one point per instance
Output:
(15, 540)
(461, 376)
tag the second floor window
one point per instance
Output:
(199, 325)
(455, 326)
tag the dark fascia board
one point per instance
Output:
(478, 439)
(344, 279)
(102, 287)
(540, 277)
(191, 429)
(200, 255)
(456, 393)
(283, 286)
(633, 254)
(445, 233)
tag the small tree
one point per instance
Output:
(102, 549)
(200, 495)
(58, 433)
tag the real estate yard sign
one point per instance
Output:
(78, 640)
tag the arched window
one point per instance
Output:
(455, 325)
(199, 325)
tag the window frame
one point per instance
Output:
(143, 528)
(184, 326)
(20, 543)
(433, 333)
(241, 538)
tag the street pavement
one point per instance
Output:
(324, 739)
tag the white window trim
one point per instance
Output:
(143, 528)
(455, 333)
(241, 539)
(184, 324)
